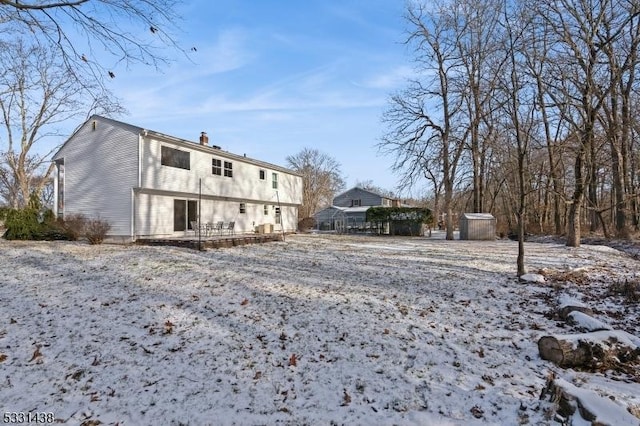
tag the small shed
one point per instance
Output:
(477, 226)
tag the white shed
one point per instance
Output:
(477, 226)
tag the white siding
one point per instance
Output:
(221, 195)
(154, 215)
(106, 177)
(101, 168)
(244, 185)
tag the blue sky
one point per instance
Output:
(271, 77)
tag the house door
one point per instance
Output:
(184, 212)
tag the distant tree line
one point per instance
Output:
(528, 110)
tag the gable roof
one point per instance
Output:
(182, 142)
(362, 190)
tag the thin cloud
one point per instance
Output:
(389, 80)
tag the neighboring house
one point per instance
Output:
(349, 210)
(146, 183)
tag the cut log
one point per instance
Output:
(573, 401)
(563, 353)
(586, 322)
(564, 311)
(589, 350)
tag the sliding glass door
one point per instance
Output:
(184, 212)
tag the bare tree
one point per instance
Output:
(622, 55)
(519, 91)
(581, 88)
(424, 119)
(36, 93)
(321, 179)
(478, 43)
(80, 31)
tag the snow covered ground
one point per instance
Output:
(319, 329)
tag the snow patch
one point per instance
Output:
(532, 278)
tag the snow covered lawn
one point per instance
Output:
(315, 330)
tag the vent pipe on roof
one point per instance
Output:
(204, 139)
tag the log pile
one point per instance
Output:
(600, 348)
(597, 348)
(587, 403)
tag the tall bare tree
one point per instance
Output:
(424, 120)
(620, 38)
(37, 93)
(519, 93)
(478, 43)
(579, 56)
(321, 179)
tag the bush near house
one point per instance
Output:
(402, 220)
(73, 226)
(306, 224)
(96, 230)
(36, 223)
(31, 224)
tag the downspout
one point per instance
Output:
(281, 216)
(55, 191)
(134, 197)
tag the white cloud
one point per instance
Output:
(390, 79)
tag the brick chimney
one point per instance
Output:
(204, 139)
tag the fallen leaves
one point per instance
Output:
(37, 356)
(293, 360)
(168, 327)
(346, 399)
(477, 412)
(244, 302)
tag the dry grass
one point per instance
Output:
(628, 289)
(574, 276)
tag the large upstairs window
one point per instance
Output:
(175, 158)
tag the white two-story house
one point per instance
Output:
(148, 184)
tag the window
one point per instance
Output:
(265, 210)
(243, 208)
(277, 215)
(263, 175)
(216, 167)
(60, 188)
(274, 180)
(175, 158)
(228, 169)
(356, 203)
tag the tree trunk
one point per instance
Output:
(562, 352)
(573, 222)
(448, 196)
(593, 190)
(591, 351)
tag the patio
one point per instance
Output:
(211, 241)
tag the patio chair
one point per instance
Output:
(230, 227)
(195, 227)
(218, 227)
